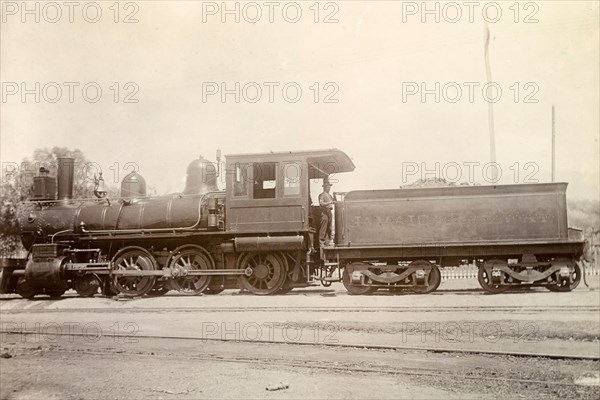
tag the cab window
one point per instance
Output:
(292, 172)
(240, 180)
(265, 180)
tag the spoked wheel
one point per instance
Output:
(265, 272)
(134, 259)
(565, 285)
(353, 288)
(87, 285)
(486, 281)
(24, 288)
(433, 279)
(191, 258)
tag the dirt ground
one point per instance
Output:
(166, 369)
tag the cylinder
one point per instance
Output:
(46, 274)
(65, 175)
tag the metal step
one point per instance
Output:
(330, 264)
(331, 279)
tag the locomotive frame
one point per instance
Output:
(260, 234)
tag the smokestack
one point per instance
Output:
(65, 174)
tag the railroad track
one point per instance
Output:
(306, 309)
(345, 368)
(367, 346)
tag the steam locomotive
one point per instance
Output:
(261, 233)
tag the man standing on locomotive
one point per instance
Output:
(326, 203)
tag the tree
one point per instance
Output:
(18, 186)
(9, 230)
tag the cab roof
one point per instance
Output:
(321, 163)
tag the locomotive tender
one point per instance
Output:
(261, 233)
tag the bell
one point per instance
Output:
(99, 188)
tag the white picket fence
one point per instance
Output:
(462, 272)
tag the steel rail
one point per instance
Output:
(321, 366)
(188, 309)
(554, 356)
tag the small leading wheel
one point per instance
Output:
(190, 258)
(134, 258)
(564, 285)
(486, 281)
(24, 288)
(354, 289)
(265, 272)
(433, 279)
(87, 285)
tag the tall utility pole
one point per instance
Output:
(553, 142)
(488, 73)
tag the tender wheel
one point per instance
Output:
(266, 272)
(433, 279)
(134, 259)
(486, 281)
(87, 285)
(24, 288)
(566, 286)
(191, 258)
(354, 289)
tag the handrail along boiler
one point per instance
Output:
(261, 233)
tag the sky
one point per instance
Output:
(396, 85)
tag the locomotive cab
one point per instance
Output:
(269, 193)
